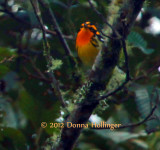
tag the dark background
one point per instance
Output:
(26, 95)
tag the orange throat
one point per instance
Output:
(83, 37)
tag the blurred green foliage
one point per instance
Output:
(27, 98)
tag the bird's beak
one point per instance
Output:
(85, 25)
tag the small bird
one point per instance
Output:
(88, 43)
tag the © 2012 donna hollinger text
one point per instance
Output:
(95, 125)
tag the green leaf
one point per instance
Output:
(146, 99)
(16, 137)
(6, 52)
(9, 115)
(3, 70)
(119, 136)
(137, 40)
(50, 116)
(33, 108)
(142, 99)
(154, 124)
(29, 107)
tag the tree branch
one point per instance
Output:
(57, 28)
(147, 118)
(103, 18)
(36, 76)
(100, 75)
(54, 83)
(126, 65)
(7, 59)
(13, 16)
(39, 75)
(134, 124)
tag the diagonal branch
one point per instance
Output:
(141, 122)
(133, 124)
(127, 69)
(57, 28)
(54, 83)
(31, 75)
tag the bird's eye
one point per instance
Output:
(100, 38)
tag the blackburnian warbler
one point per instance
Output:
(87, 43)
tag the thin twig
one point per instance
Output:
(114, 91)
(12, 15)
(141, 122)
(127, 70)
(103, 18)
(37, 13)
(34, 66)
(134, 124)
(153, 68)
(113, 38)
(7, 59)
(36, 76)
(40, 75)
(57, 28)
(69, 37)
(55, 83)
(147, 118)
